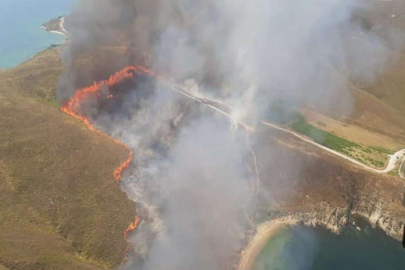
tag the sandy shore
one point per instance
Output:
(57, 32)
(263, 234)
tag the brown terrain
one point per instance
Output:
(60, 207)
(322, 189)
(329, 191)
(377, 104)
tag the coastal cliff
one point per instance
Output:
(335, 219)
(321, 191)
(376, 213)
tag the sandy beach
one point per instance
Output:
(264, 232)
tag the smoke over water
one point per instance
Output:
(191, 178)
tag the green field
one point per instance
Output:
(322, 137)
(373, 156)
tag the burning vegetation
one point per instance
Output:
(73, 105)
(190, 182)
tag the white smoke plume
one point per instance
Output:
(190, 178)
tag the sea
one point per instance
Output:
(21, 35)
(307, 248)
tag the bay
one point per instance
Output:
(305, 248)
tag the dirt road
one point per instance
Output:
(391, 163)
(215, 105)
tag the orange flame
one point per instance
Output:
(125, 258)
(72, 106)
(132, 227)
(128, 248)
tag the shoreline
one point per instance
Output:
(268, 229)
(61, 30)
(264, 232)
(57, 32)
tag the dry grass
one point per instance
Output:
(389, 86)
(60, 207)
(372, 157)
(352, 132)
(378, 105)
(383, 107)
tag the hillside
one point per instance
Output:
(322, 189)
(379, 104)
(371, 118)
(60, 207)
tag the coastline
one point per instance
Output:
(331, 218)
(264, 232)
(59, 29)
(57, 32)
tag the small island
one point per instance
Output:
(56, 26)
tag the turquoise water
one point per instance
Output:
(21, 35)
(303, 248)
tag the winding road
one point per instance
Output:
(215, 105)
(391, 163)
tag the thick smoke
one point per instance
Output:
(190, 178)
(203, 194)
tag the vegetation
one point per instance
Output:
(366, 155)
(322, 137)
(60, 207)
(393, 173)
